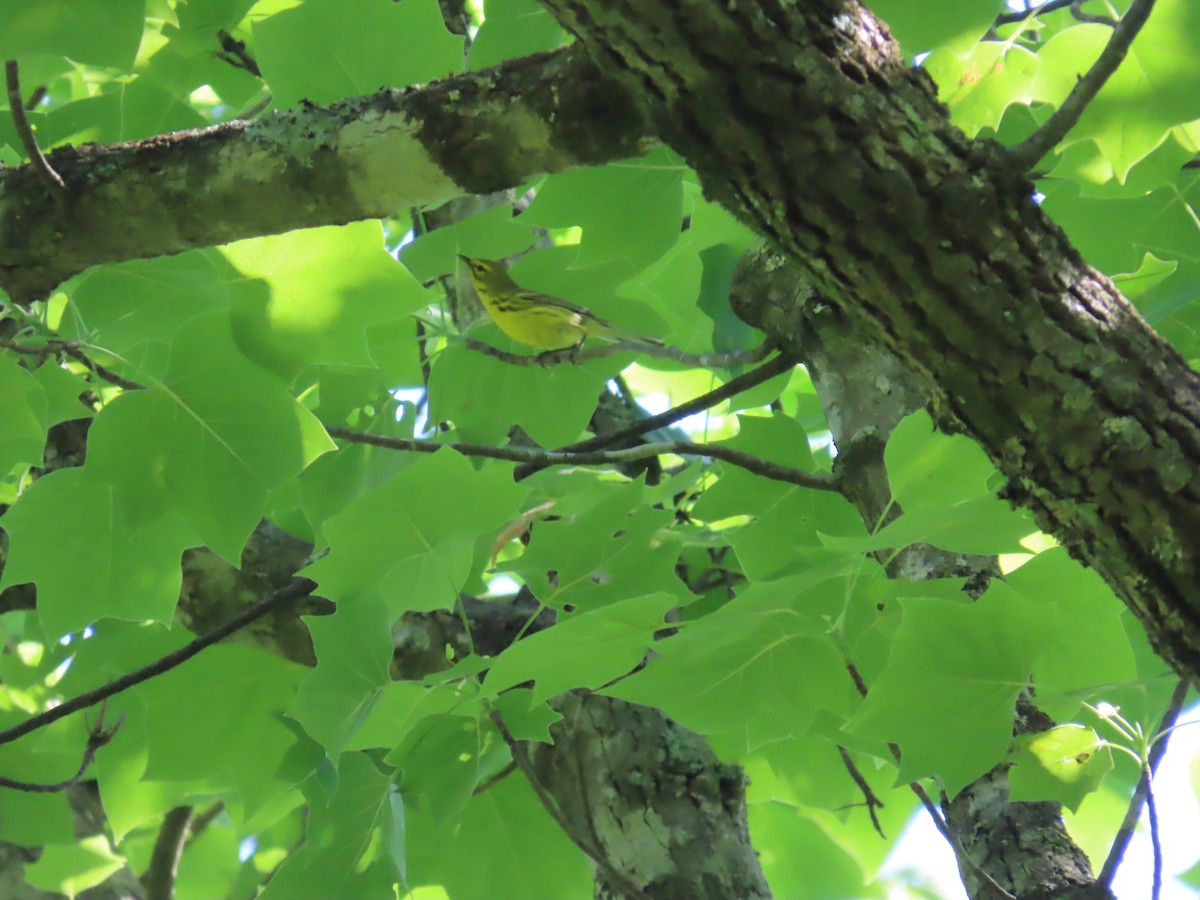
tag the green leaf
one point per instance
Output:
(785, 516)
(63, 389)
(1064, 764)
(512, 29)
(212, 439)
(121, 305)
(401, 705)
(960, 662)
(348, 851)
(1155, 88)
(485, 397)
(111, 567)
(96, 32)
(441, 760)
(606, 554)
(526, 721)
(437, 498)
(980, 86)
(816, 865)
(22, 416)
(629, 211)
(1093, 650)
(585, 650)
(956, 26)
(308, 297)
(760, 658)
(929, 469)
(354, 652)
(984, 526)
(537, 861)
(316, 52)
(72, 868)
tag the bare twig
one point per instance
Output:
(818, 481)
(494, 780)
(1155, 844)
(780, 364)
(1140, 794)
(16, 104)
(616, 879)
(563, 357)
(871, 801)
(1020, 15)
(98, 736)
(159, 879)
(73, 349)
(299, 587)
(235, 53)
(1046, 138)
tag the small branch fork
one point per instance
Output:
(818, 481)
(1046, 138)
(16, 104)
(73, 349)
(98, 736)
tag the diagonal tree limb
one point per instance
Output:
(1046, 138)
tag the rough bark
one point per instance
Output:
(363, 158)
(805, 122)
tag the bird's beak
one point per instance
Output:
(465, 259)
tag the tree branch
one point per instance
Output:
(780, 364)
(98, 736)
(818, 481)
(1046, 138)
(168, 848)
(314, 166)
(16, 104)
(300, 587)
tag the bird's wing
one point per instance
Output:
(536, 298)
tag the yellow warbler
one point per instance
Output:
(538, 320)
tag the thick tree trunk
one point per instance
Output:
(805, 122)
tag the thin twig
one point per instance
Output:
(299, 587)
(1046, 138)
(872, 801)
(98, 736)
(1134, 811)
(616, 880)
(572, 357)
(159, 879)
(1155, 844)
(73, 349)
(16, 104)
(235, 53)
(818, 481)
(777, 366)
(496, 778)
(1021, 15)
